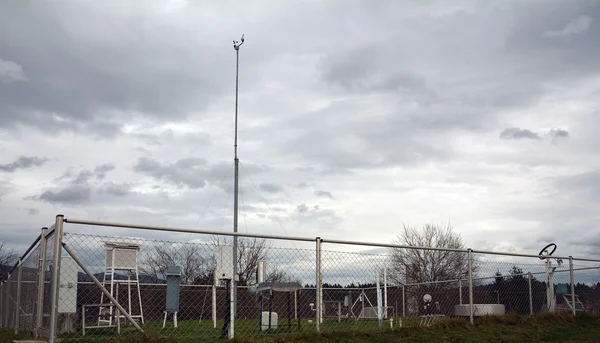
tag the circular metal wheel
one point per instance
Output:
(545, 248)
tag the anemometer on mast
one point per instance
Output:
(546, 254)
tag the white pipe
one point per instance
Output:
(214, 306)
(379, 314)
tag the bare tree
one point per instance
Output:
(417, 266)
(195, 260)
(425, 267)
(278, 275)
(7, 260)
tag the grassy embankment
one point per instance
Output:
(505, 329)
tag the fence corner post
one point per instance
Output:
(58, 234)
(470, 264)
(40, 284)
(572, 276)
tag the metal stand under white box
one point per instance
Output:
(121, 257)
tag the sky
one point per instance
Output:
(356, 117)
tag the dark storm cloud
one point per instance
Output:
(80, 69)
(23, 162)
(517, 133)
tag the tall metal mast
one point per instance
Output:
(236, 46)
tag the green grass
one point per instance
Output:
(7, 336)
(560, 327)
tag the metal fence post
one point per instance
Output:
(1, 303)
(470, 262)
(529, 277)
(460, 291)
(40, 283)
(58, 233)
(8, 302)
(18, 296)
(572, 275)
(318, 286)
(403, 301)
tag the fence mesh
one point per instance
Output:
(358, 289)
(29, 290)
(111, 287)
(137, 273)
(44, 329)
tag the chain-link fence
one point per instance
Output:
(74, 285)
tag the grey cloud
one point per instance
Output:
(320, 219)
(82, 177)
(99, 71)
(270, 188)
(383, 141)
(302, 185)
(581, 186)
(69, 196)
(116, 189)
(77, 188)
(23, 162)
(169, 136)
(11, 72)
(558, 39)
(517, 133)
(559, 133)
(556, 134)
(5, 186)
(302, 208)
(101, 170)
(575, 27)
(32, 211)
(323, 194)
(191, 172)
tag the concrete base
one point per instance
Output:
(480, 310)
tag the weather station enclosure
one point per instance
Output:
(121, 257)
(224, 259)
(306, 288)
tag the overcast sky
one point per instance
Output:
(354, 118)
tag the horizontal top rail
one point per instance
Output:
(184, 230)
(307, 239)
(386, 245)
(530, 255)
